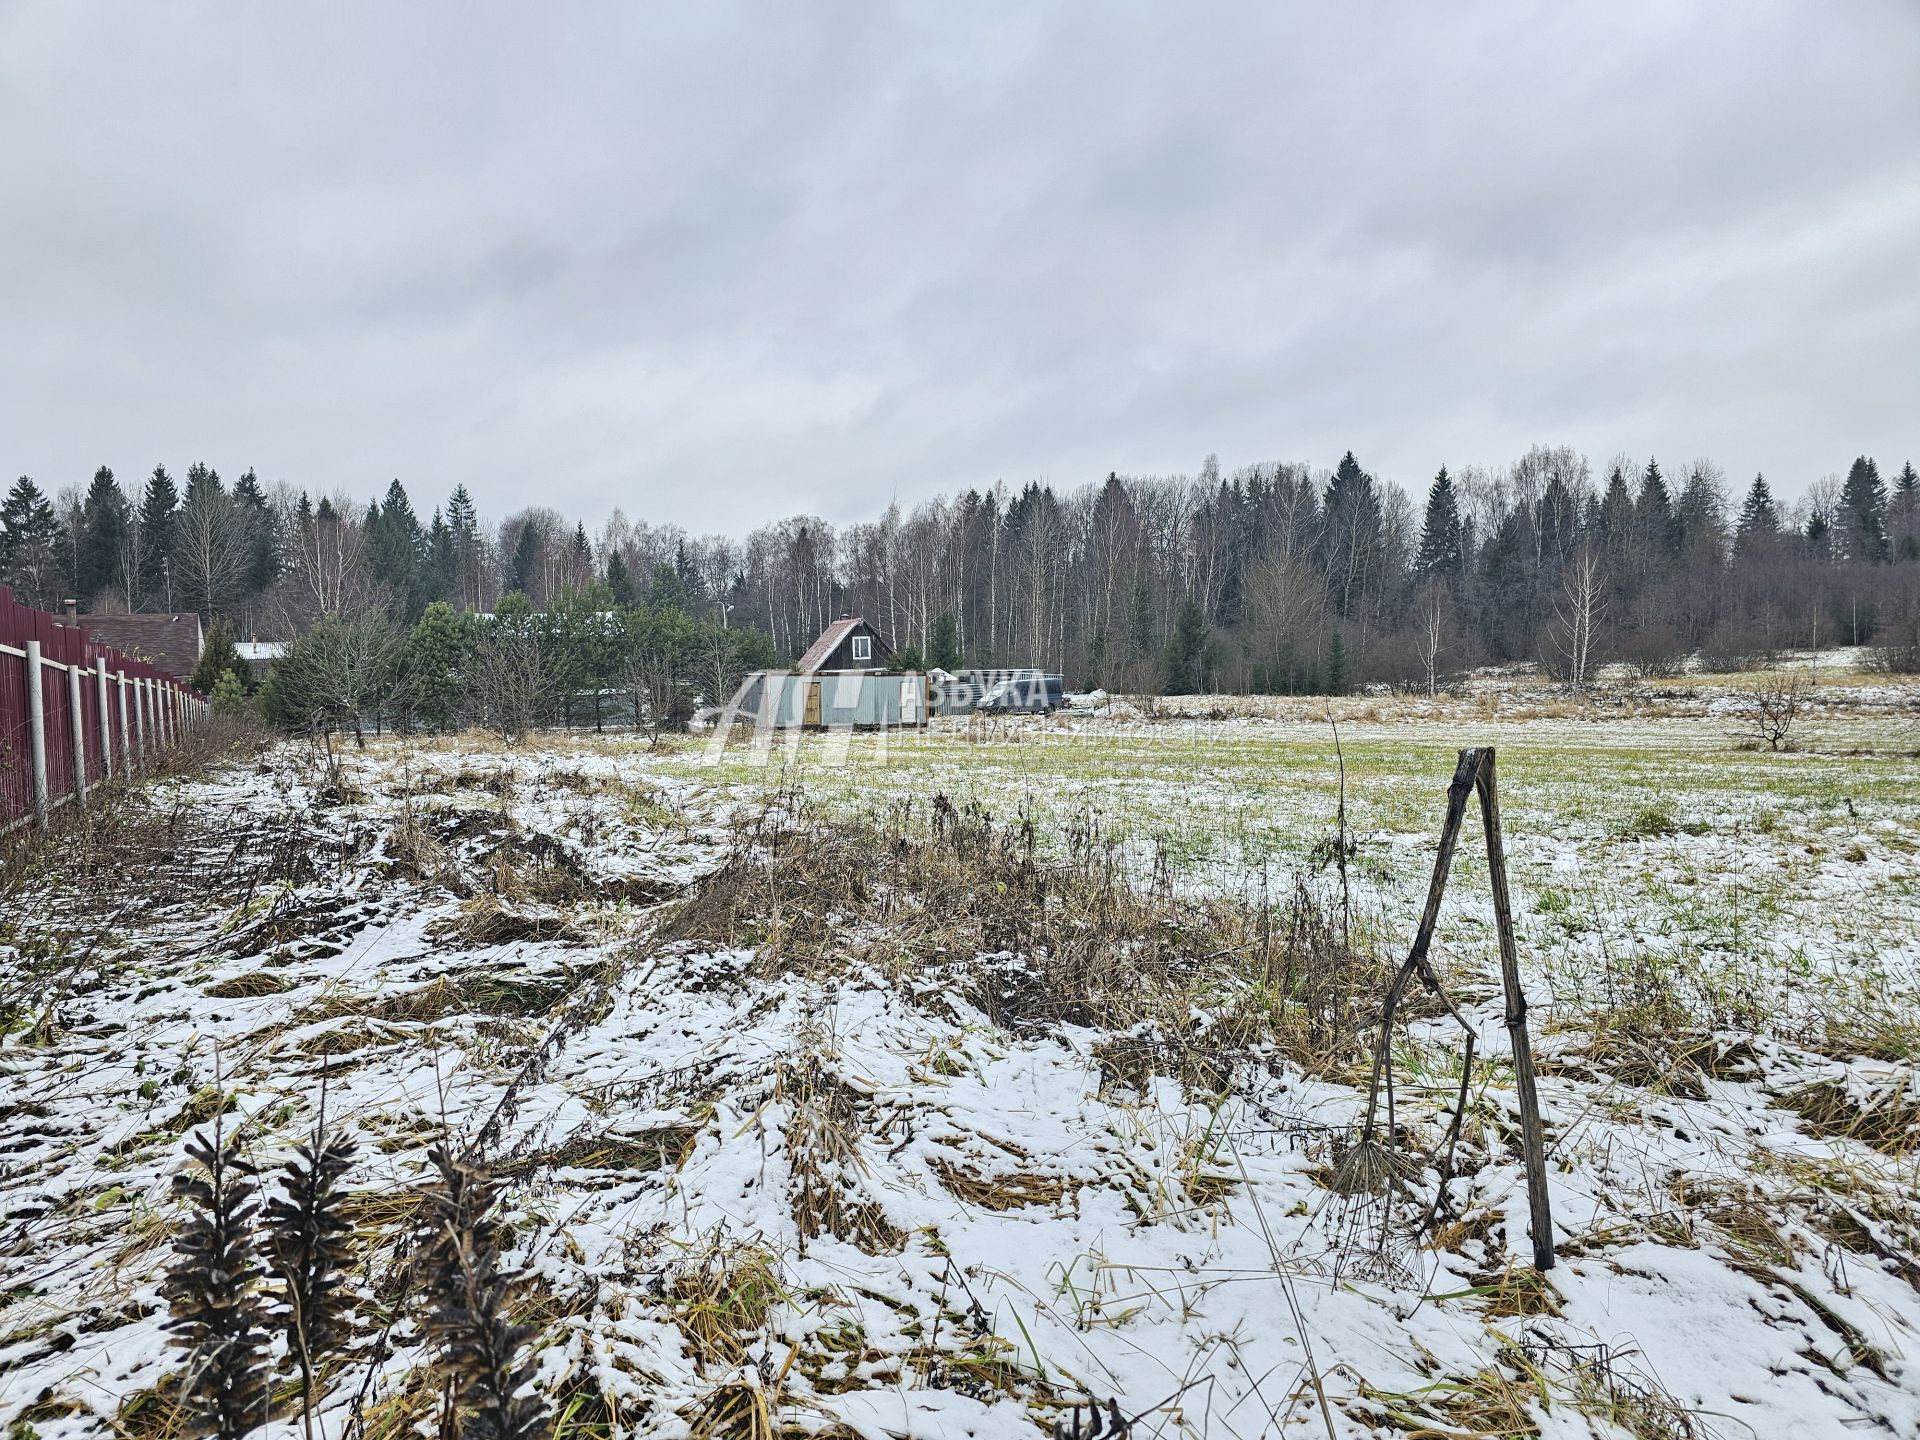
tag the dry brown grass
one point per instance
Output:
(823, 1149)
(250, 986)
(722, 1295)
(1034, 941)
(1889, 1120)
(1004, 1190)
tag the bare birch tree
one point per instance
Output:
(1576, 612)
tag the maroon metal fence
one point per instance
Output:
(126, 709)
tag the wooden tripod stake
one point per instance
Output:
(1475, 772)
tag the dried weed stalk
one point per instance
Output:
(309, 1247)
(480, 1354)
(213, 1294)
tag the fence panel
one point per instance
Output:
(61, 647)
(16, 780)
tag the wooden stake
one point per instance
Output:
(1532, 1138)
(1416, 962)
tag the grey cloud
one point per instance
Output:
(718, 264)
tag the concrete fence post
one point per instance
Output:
(37, 733)
(140, 716)
(126, 730)
(79, 718)
(106, 717)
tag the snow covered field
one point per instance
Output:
(797, 1142)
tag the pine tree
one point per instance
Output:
(159, 514)
(1442, 554)
(1863, 512)
(943, 643)
(30, 545)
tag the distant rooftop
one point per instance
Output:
(171, 642)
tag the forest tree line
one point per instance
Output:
(1275, 577)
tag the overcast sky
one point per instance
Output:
(718, 264)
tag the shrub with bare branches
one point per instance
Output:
(1774, 702)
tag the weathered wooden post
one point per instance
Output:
(140, 716)
(77, 717)
(37, 733)
(106, 717)
(1532, 1136)
(1474, 772)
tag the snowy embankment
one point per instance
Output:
(850, 1191)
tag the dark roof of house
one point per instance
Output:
(170, 641)
(830, 640)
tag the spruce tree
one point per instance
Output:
(1140, 625)
(219, 656)
(30, 545)
(526, 559)
(1352, 536)
(104, 522)
(1442, 554)
(398, 550)
(1616, 508)
(260, 532)
(1819, 536)
(437, 652)
(1904, 514)
(1653, 512)
(669, 590)
(1336, 665)
(943, 643)
(1863, 512)
(1759, 523)
(159, 514)
(463, 527)
(619, 581)
(1186, 667)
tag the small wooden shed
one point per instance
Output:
(849, 643)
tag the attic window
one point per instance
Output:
(863, 647)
